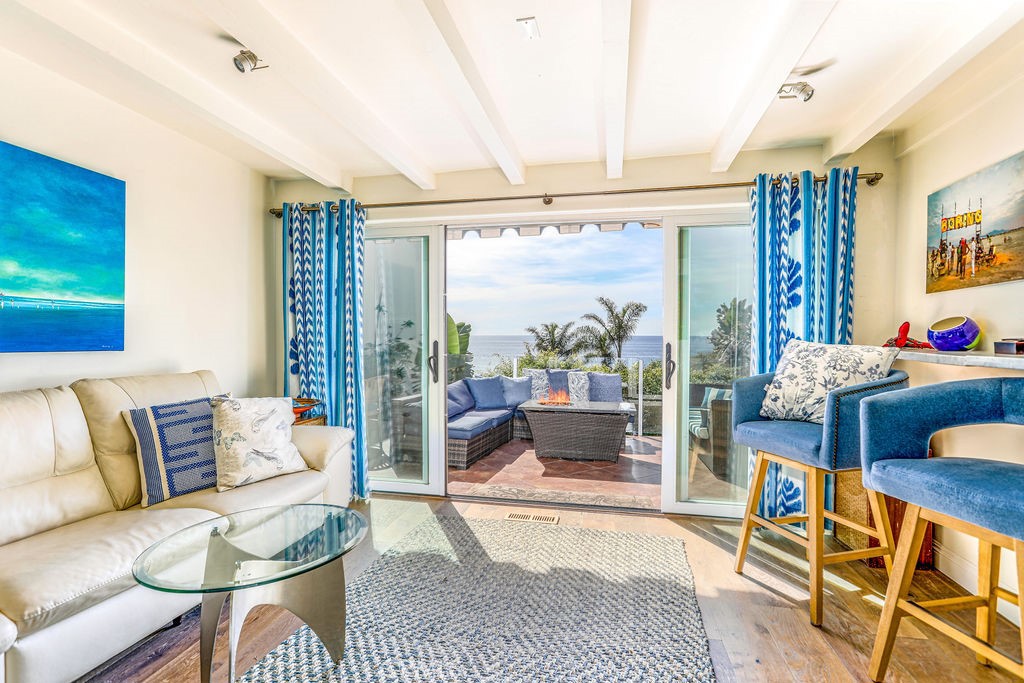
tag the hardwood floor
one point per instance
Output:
(757, 623)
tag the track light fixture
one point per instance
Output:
(791, 91)
(246, 60)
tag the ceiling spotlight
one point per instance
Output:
(529, 26)
(246, 60)
(792, 91)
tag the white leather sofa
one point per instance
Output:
(71, 524)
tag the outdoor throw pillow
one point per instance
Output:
(459, 398)
(579, 386)
(174, 444)
(558, 380)
(808, 371)
(538, 383)
(605, 386)
(715, 394)
(252, 440)
(516, 390)
(487, 393)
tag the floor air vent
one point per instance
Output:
(540, 519)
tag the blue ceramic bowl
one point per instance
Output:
(958, 333)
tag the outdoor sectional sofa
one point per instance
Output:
(483, 413)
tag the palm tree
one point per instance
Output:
(561, 340)
(596, 343)
(617, 325)
(731, 338)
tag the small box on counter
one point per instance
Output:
(1011, 347)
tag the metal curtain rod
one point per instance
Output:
(872, 179)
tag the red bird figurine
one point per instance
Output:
(903, 340)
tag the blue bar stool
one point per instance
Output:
(983, 498)
(816, 450)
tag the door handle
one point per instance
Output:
(670, 365)
(432, 362)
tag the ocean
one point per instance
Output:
(486, 348)
(28, 325)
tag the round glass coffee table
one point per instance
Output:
(287, 555)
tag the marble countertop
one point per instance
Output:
(981, 359)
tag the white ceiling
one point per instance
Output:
(420, 87)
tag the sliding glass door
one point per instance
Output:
(708, 295)
(403, 360)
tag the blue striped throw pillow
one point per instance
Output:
(174, 442)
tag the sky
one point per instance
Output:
(61, 229)
(1001, 186)
(503, 285)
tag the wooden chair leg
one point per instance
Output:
(1018, 549)
(816, 540)
(988, 579)
(883, 526)
(904, 564)
(753, 497)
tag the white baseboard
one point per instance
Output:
(965, 573)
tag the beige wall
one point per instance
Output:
(195, 274)
(943, 150)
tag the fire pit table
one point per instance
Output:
(584, 430)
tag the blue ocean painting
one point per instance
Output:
(61, 255)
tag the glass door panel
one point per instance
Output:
(401, 363)
(711, 293)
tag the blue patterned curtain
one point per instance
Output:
(323, 280)
(803, 284)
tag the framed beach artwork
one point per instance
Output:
(976, 229)
(61, 255)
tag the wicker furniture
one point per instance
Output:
(586, 430)
(464, 452)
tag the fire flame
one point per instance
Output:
(560, 398)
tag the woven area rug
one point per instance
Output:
(485, 600)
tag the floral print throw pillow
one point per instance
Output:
(808, 371)
(252, 440)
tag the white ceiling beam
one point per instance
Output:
(911, 80)
(796, 24)
(433, 24)
(615, 20)
(260, 30)
(116, 48)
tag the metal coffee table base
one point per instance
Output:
(317, 597)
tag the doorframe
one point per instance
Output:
(434, 392)
(673, 487)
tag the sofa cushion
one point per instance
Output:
(516, 390)
(579, 386)
(252, 440)
(50, 576)
(174, 444)
(8, 633)
(48, 475)
(288, 489)
(476, 422)
(605, 386)
(102, 402)
(487, 393)
(558, 380)
(459, 398)
(538, 382)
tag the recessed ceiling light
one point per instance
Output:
(530, 28)
(793, 91)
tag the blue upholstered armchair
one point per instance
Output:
(983, 498)
(817, 450)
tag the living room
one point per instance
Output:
(418, 119)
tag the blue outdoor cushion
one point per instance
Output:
(605, 386)
(516, 390)
(983, 492)
(558, 380)
(174, 442)
(476, 422)
(800, 441)
(487, 393)
(459, 398)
